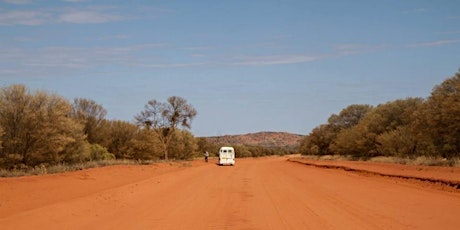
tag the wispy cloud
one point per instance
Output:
(197, 48)
(433, 43)
(87, 15)
(450, 32)
(55, 60)
(24, 17)
(419, 10)
(352, 48)
(453, 17)
(17, 2)
(173, 65)
(274, 59)
(111, 37)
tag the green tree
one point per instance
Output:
(240, 151)
(438, 121)
(98, 152)
(321, 138)
(114, 136)
(165, 118)
(350, 142)
(318, 141)
(145, 145)
(37, 127)
(91, 115)
(349, 117)
(183, 146)
(204, 145)
(362, 138)
(400, 142)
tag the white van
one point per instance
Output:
(226, 156)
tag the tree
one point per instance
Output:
(349, 117)
(145, 145)
(165, 117)
(318, 141)
(91, 115)
(399, 142)
(183, 145)
(321, 138)
(115, 136)
(37, 127)
(351, 142)
(362, 139)
(203, 145)
(438, 121)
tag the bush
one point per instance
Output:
(98, 152)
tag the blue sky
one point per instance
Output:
(246, 66)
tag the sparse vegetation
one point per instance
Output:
(421, 160)
(43, 169)
(42, 133)
(253, 144)
(264, 139)
(411, 130)
(164, 118)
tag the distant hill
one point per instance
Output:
(265, 139)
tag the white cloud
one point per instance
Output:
(52, 61)
(112, 37)
(419, 10)
(348, 49)
(450, 32)
(275, 59)
(173, 65)
(28, 18)
(17, 2)
(433, 43)
(88, 17)
(198, 48)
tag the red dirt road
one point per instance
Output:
(265, 193)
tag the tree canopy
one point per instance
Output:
(405, 127)
(165, 117)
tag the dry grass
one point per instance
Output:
(421, 160)
(328, 157)
(43, 169)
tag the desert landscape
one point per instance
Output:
(229, 115)
(257, 193)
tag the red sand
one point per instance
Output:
(264, 193)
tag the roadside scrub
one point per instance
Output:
(43, 169)
(421, 160)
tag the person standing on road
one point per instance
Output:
(206, 155)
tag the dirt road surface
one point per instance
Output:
(265, 193)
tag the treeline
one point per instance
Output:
(38, 128)
(244, 150)
(41, 128)
(406, 128)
